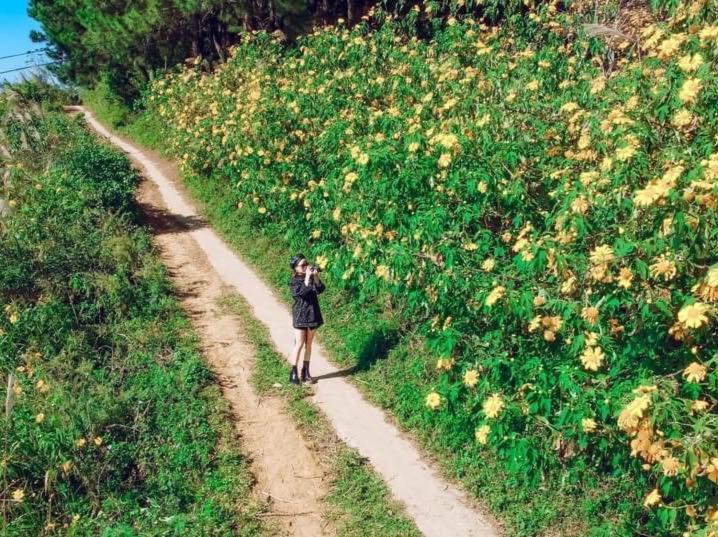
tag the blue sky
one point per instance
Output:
(15, 26)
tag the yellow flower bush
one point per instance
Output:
(564, 217)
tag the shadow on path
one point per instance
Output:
(377, 347)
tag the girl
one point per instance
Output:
(306, 315)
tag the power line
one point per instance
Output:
(23, 53)
(28, 67)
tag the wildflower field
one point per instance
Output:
(112, 424)
(539, 204)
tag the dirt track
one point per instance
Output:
(287, 471)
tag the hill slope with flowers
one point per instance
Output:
(544, 217)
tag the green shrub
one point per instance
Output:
(114, 425)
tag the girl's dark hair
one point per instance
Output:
(294, 261)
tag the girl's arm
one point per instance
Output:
(318, 284)
(301, 289)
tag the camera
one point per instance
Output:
(314, 268)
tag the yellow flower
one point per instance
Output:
(625, 277)
(580, 205)
(510, 97)
(80, 442)
(694, 315)
(598, 84)
(699, 406)
(13, 318)
(629, 417)
(98, 440)
(601, 255)
(482, 434)
(433, 400)
(625, 152)
(695, 372)
(336, 214)
(444, 160)
(492, 406)
(712, 470)
(646, 196)
(590, 314)
(444, 364)
(539, 300)
(682, 118)
(262, 210)
(413, 147)
(469, 246)
(588, 425)
(488, 264)
(592, 358)
(42, 386)
(553, 322)
(671, 466)
(18, 495)
(670, 46)
(712, 277)
(40, 418)
(471, 377)
(382, 271)
(533, 85)
(322, 261)
(690, 90)
(569, 107)
(653, 499)
(709, 33)
(584, 140)
(664, 268)
(495, 295)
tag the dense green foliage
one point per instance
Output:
(113, 424)
(551, 226)
(126, 44)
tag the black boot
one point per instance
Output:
(293, 377)
(306, 377)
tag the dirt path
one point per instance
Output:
(437, 507)
(286, 470)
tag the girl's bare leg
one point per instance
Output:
(308, 346)
(300, 335)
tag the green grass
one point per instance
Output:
(128, 434)
(359, 503)
(394, 371)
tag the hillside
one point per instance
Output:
(534, 206)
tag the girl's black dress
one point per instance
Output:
(305, 311)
